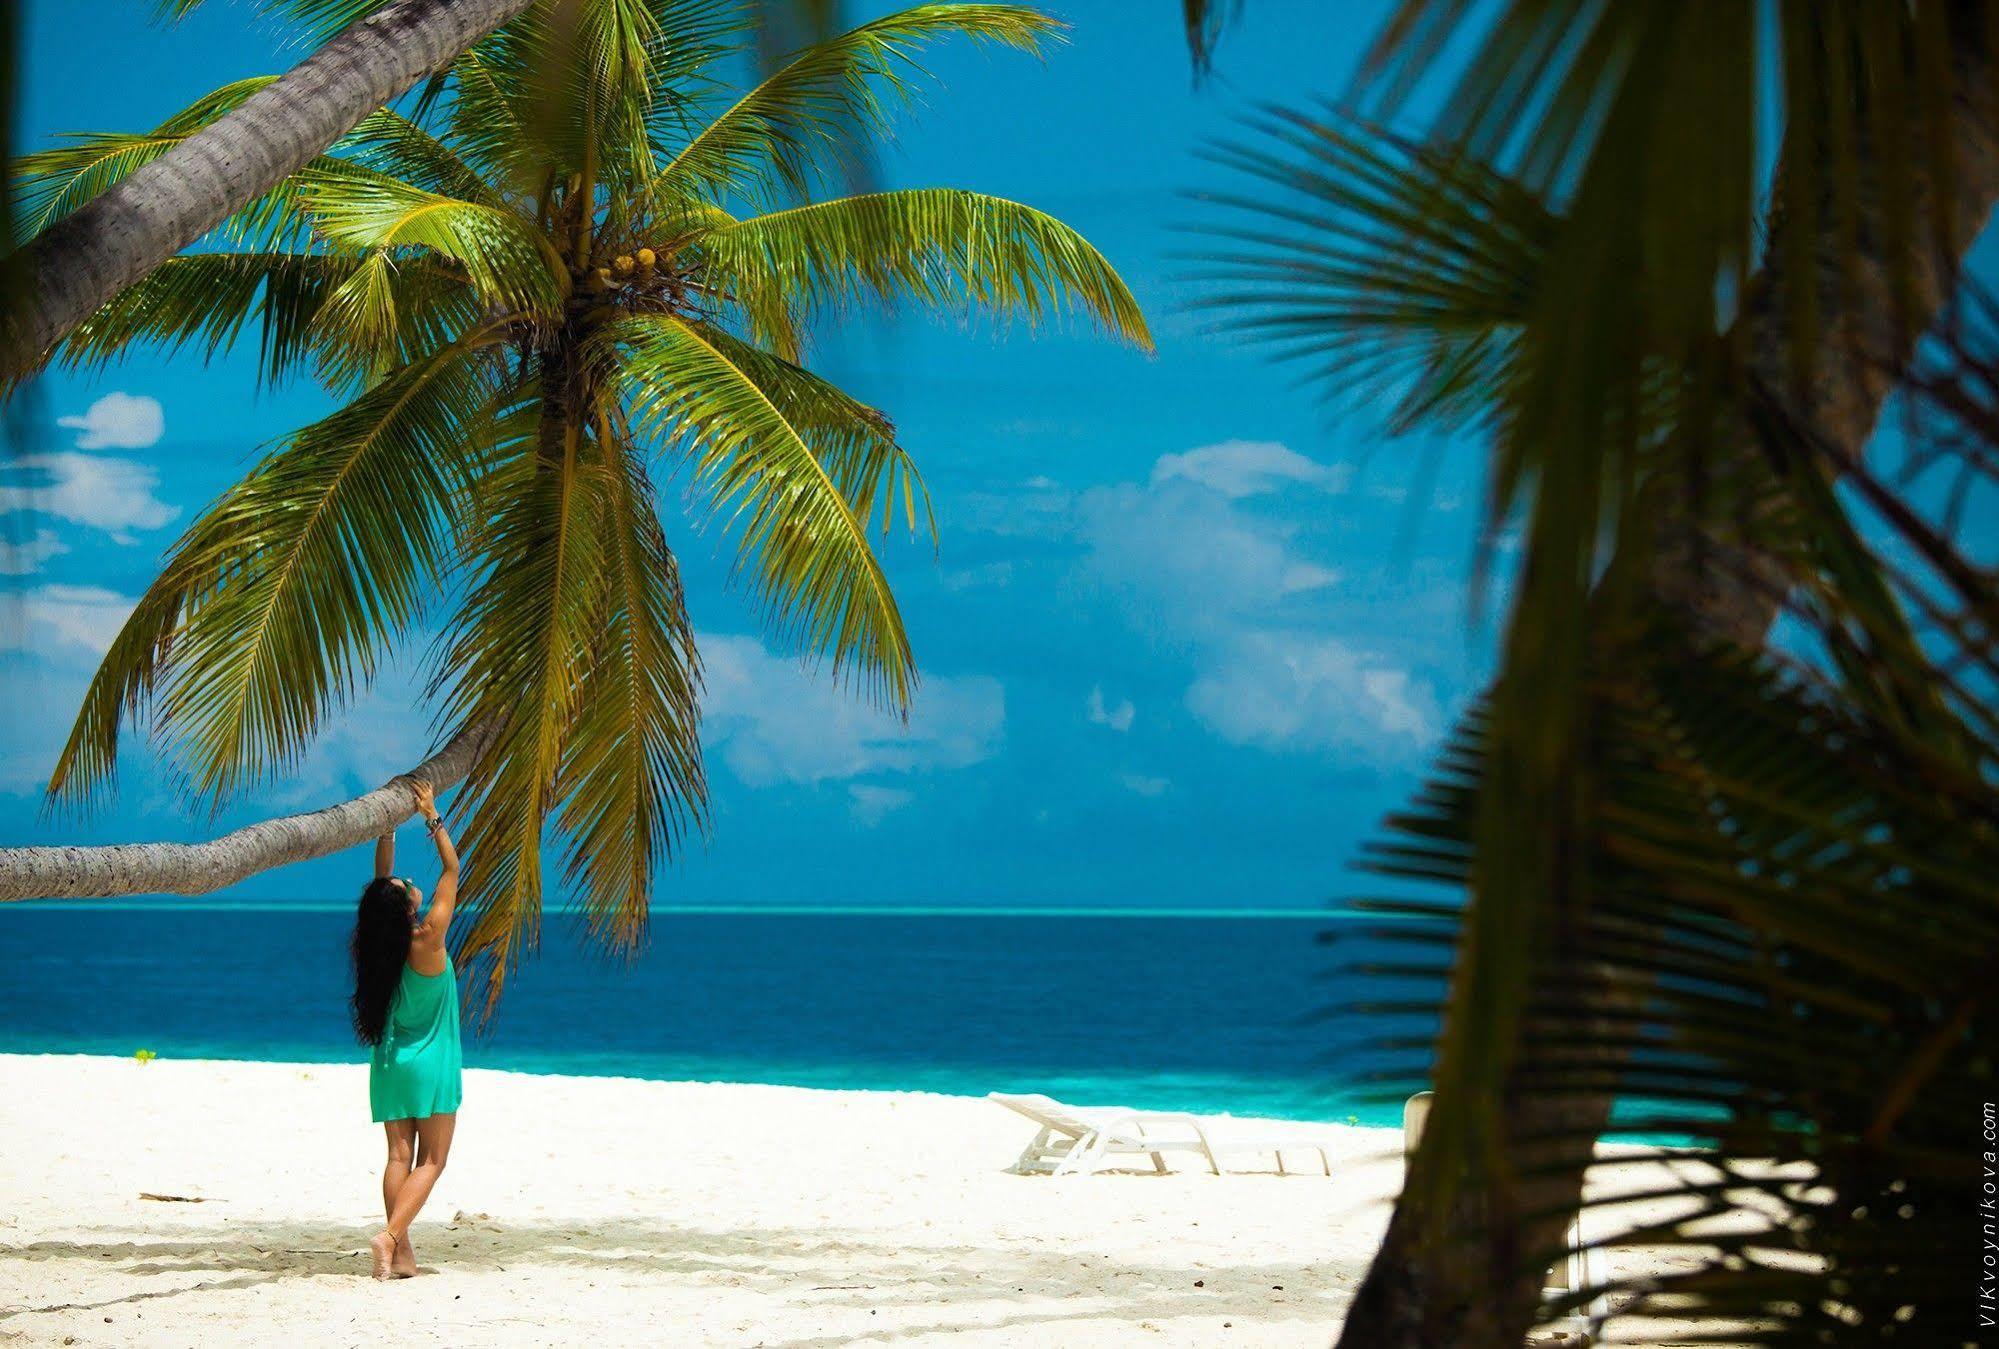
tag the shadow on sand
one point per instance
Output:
(806, 1267)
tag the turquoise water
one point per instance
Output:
(1180, 1010)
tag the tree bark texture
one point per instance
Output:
(84, 259)
(198, 868)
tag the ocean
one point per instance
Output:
(1170, 1011)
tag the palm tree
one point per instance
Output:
(558, 272)
(1568, 260)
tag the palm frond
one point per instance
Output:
(582, 80)
(1392, 271)
(631, 781)
(943, 248)
(126, 678)
(855, 443)
(360, 325)
(205, 300)
(399, 148)
(800, 125)
(1205, 21)
(1786, 942)
(321, 558)
(518, 656)
(486, 129)
(821, 583)
(577, 85)
(506, 258)
(318, 20)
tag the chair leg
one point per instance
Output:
(1280, 1163)
(1214, 1167)
(1082, 1158)
(1032, 1153)
(1159, 1163)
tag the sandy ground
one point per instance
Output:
(622, 1211)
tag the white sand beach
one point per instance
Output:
(621, 1211)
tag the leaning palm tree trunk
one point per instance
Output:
(198, 868)
(1418, 1293)
(88, 257)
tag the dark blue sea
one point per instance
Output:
(1161, 1011)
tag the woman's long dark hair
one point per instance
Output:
(380, 946)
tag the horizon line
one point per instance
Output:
(122, 904)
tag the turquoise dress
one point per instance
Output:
(416, 1069)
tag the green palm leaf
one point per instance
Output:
(205, 300)
(323, 556)
(940, 247)
(578, 86)
(1789, 921)
(854, 442)
(1393, 271)
(399, 148)
(519, 658)
(783, 133)
(507, 260)
(127, 677)
(631, 780)
(822, 583)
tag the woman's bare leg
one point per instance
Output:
(395, 1173)
(433, 1138)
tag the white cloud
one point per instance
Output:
(383, 731)
(65, 616)
(1118, 718)
(1211, 554)
(986, 574)
(1189, 555)
(113, 495)
(772, 721)
(1039, 508)
(1297, 691)
(1241, 468)
(1145, 786)
(118, 421)
(1189, 550)
(26, 557)
(42, 700)
(871, 804)
(1303, 576)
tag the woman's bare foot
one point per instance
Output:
(405, 1261)
(383, 1247)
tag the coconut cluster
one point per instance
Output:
(628, 269)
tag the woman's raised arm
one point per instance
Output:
(445, 895)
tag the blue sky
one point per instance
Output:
(1188, 633)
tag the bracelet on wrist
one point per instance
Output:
(433, 824)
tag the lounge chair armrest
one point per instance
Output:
(1132, 1122)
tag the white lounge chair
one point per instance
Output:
(1576, 1271)
(1081, 1140)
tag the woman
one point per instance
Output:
(406, 1005)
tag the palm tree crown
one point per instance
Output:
(569, 264)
